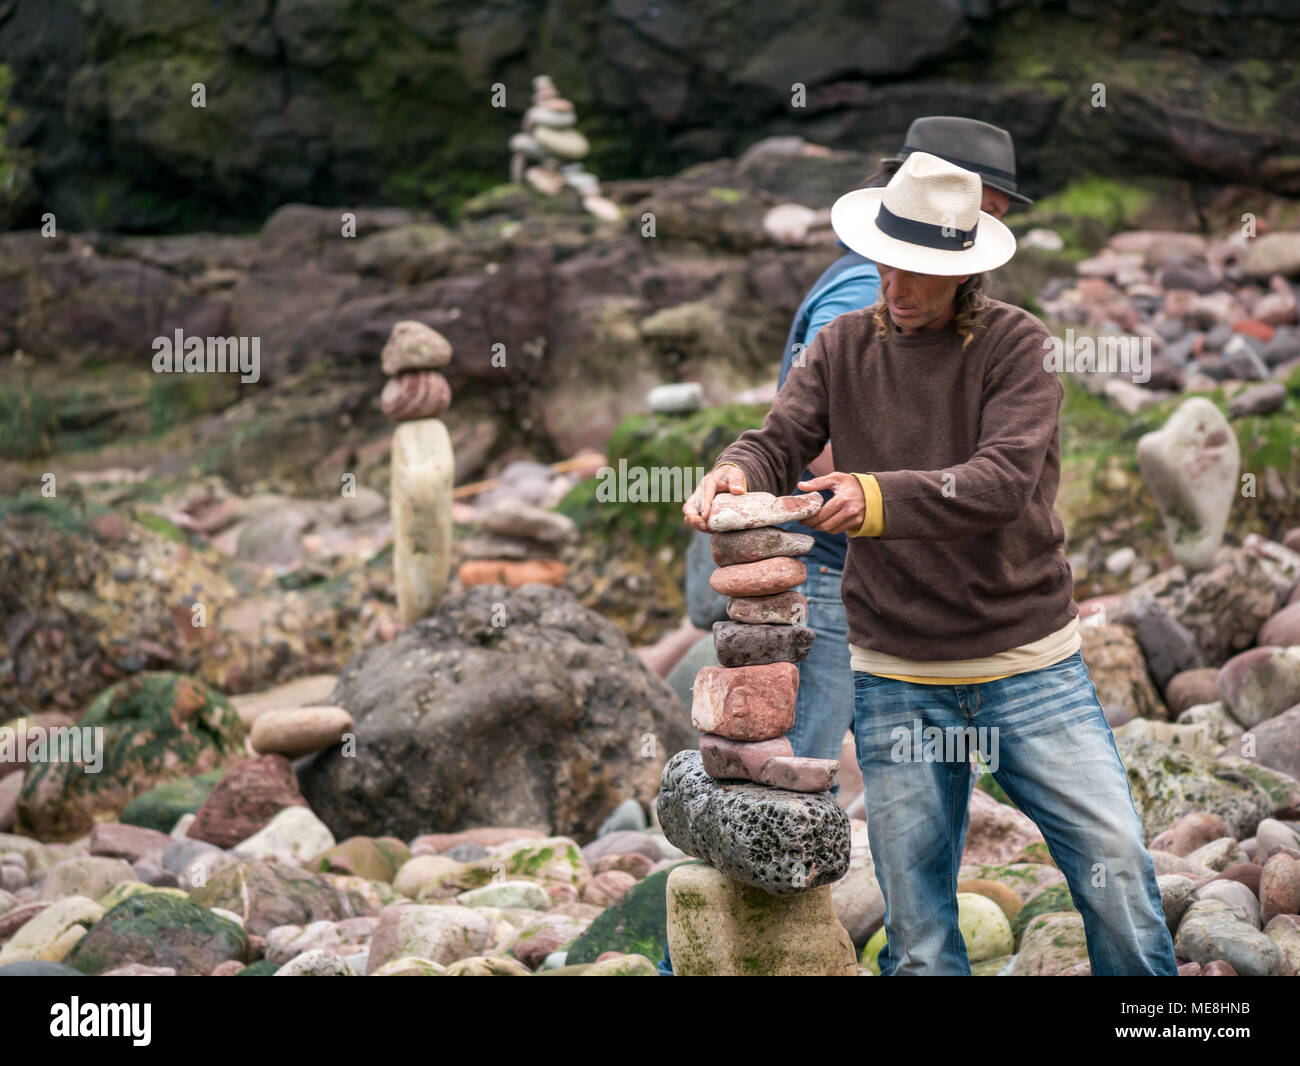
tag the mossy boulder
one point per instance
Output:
(636, 925)
(162, 807)
(269, 894)
(126, 889)
(149, 728)
(260, 968)
(547, 860)
(1051, 943)
(156, 929)
(1050, 900)
(1026, 879)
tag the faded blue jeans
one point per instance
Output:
(824, 705)
(1054, 755)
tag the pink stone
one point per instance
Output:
(415, 394)
(800, 774)
(129, 842)
(729, 760)
(763, 578)
(754, 509)
(1282, 628)
(1191, 688)
(1279, 887)
(1217, 968)
(745, 702)
(1189, 833)
(785, 608)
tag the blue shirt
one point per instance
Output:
(849, 284)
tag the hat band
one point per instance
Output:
(967, 164)
(926, 234)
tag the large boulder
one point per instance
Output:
(507, 707)
(780, 841)
(1168, 782)
(155, 727)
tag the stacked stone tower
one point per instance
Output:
(769, 831)
(423, 467)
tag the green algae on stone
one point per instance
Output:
(268, 894)
(162, 807)
(151, 728)
(260, 968)
(636, 925)
(1050, 900)
(156, 929)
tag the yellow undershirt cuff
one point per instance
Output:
(742, 473)
(944, 680)
(873, 521)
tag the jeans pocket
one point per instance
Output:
(865, 680)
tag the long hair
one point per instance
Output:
(970, 299)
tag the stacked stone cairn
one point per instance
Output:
(547, 154)
(423, 466)
(520, 545)
(771, 835)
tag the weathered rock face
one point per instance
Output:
(249, 795)
(782, 842)
(678, 80)
(1191, 467)
(1119, 671)
(155, 727)
(1169, 782)
(507, 707)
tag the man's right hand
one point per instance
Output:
(723, 479)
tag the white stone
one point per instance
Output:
(679, 398)
(423, 467)
(295, 834)
(1191, 466)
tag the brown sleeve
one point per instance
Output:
(796, 428)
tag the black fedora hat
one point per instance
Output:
(966, 142)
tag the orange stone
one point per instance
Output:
(512, 574)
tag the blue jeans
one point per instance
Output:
(1055, 757)
(823, 710)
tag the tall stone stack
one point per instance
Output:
(547, 154)
(770, 833)
(423, 466)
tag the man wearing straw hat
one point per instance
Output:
(961, 619)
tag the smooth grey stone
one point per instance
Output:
(678, 398)
(466, 851)
(702, 604)
(1168, 646)
(774, 839)
(1241, 357)
(1177, 893)
(1212, 929)
(627, 815)
(39, 969)
(181, 853)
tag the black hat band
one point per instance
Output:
(910, 230)
(967, 164)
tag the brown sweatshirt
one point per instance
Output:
(965, 447)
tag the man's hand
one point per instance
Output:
(723, 479)
(844, 511)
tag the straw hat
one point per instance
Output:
(927, 220)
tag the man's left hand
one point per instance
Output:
(844, 511)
